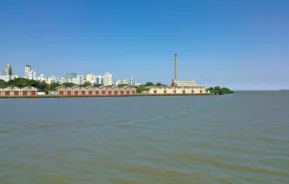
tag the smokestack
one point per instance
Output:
(176, 67)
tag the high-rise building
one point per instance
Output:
(79, 79)
(99, 80)
(27, 70)
(70, 76)
(131, 81)
(7, 70)
(90, 77)
(29, 73)
(107, 79)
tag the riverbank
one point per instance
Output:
(101, 96)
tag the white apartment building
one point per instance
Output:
(63, 80)
(107, 79)
(29, 73)
(79, 79)
(90, 77)
(131, 81)
(99, 79)
(41, 77)
(6, 78)
(7, 70)
(52, 79)
(14, 76)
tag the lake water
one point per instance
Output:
(240, 138)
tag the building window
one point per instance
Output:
(165, 91)
(69, 92)
(24, 93)
(33, 93)
(7, 93)
(127, 92)
(175, 91)
(201, 91)
(61, 92)
(90, 92)
(109, 92)
(96, 92)
(76, 92)
(103, 92)
(193, 91)
(83, 92)
(16, 93)
(133, 92)
(122, 92)
(184, 91)
(116, 92)
(155, 91)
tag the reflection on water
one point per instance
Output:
(240, 138)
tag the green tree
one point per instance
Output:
(53, 86)
(3, 84)
(217, 90)
(149, 84)
(121, 85)
(227, 90)
(97, 85)
(220, 91)
(86, 84)
(211, 90)
(140, 88)
(68, 84)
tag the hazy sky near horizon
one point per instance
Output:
(241, 44)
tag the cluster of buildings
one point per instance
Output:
(72, 77)
(108, 87)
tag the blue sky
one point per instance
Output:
(241, 44)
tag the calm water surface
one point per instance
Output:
(240, 138)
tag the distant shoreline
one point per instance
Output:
(100, 96)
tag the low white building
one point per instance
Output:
(6, 78)
(14, 76)
(62, 80)
(41, 77)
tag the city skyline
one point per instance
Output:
(234, 44)
(70, 77)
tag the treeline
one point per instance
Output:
(220, 91)
(40, 85)
(43, 86)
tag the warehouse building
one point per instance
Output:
(171, 90)
(95, 91)
(13, 91)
